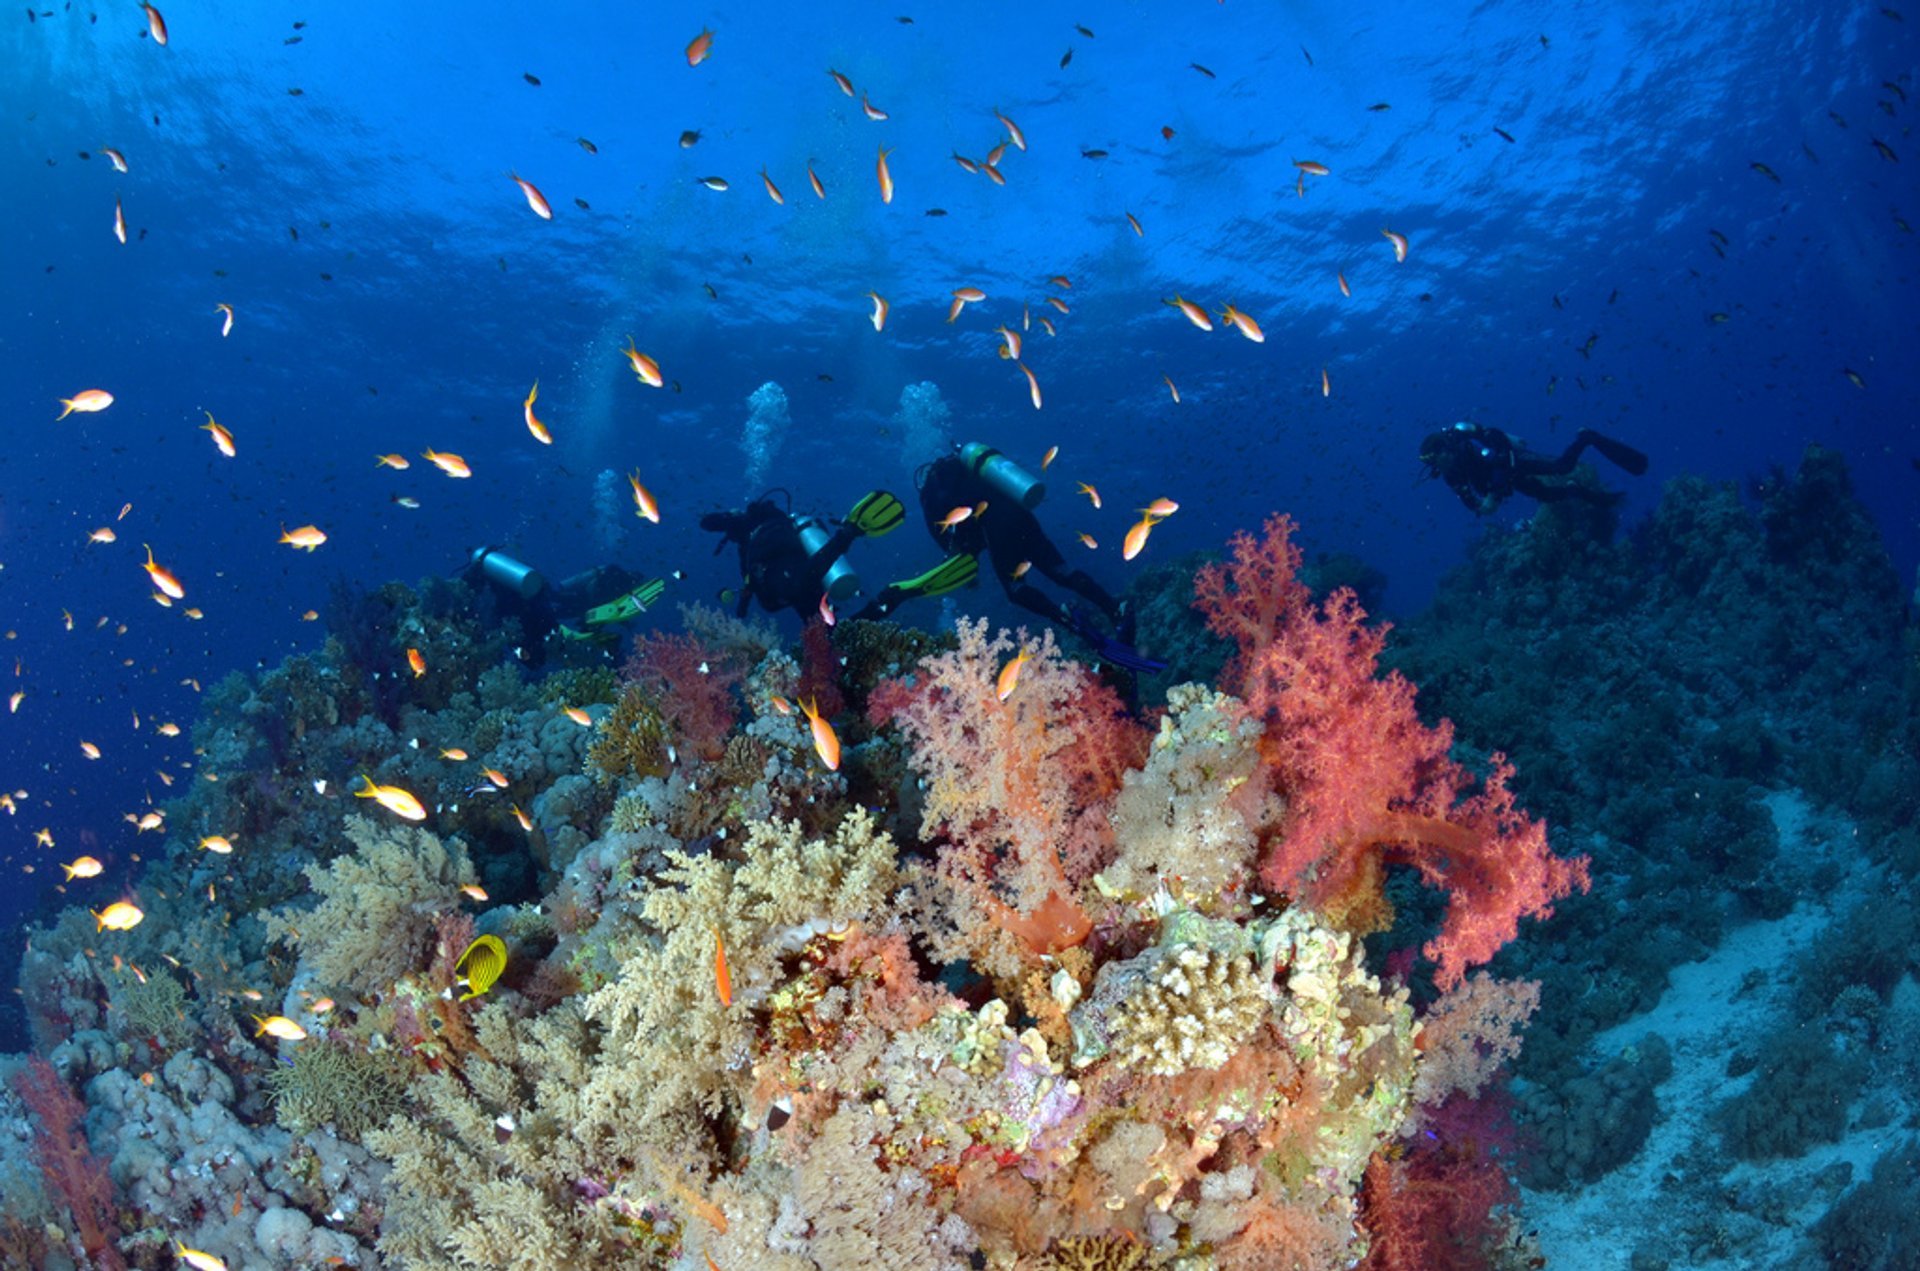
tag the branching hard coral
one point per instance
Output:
(1020, 788)
(1192, 1007)
(632, 741)
(377, 905)
(330, 1083)
(1366, 783)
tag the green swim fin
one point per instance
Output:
(631, 605)
(877, 513)
(950, 574)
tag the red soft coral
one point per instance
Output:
(694, 686)
(74, 1176)
(1020, 788)
(1366, 783)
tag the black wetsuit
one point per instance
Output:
(1008, 534)
(775, 566)
(1483, 466)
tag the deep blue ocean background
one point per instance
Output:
(348, 194)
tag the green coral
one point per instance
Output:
(155, 1006)
(324, 1083)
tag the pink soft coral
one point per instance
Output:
(1367, 784)
(1020, 788)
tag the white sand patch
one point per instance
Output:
(1682, 1198)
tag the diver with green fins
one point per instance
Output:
(998, 497)
(796, 562)
(586, 609)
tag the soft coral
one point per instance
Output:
(74, 1176)
(1367, 784)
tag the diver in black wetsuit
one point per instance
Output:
(584, 609)
(1484, 465)
(789, 562)
(1000, 497)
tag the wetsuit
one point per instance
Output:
(775, 565)
(1483, 466)
(1008, 534)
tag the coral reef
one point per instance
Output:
(1028, 982)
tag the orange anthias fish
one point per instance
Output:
(880, 309)
(873, 112)
(1046, 460)
(1091, 494)
(826, 743)
(1010, 342)
(222, 439)
(1135, 222)
(1010, 674)
(226, 327)
(417, 661)
(643, 366)
(886, 178)
(83, 867)
(397, 462)
(1326, 385)
(119, 222)
(1195, 314)
(121, 915)
(1311, 168)
(1342, 279)
(1170, 387)
(1013, 130)
(954, 517)
(163, 580)
(534, 426)
(1244, 324)
(306, 538)
(722, 981)
(118, 160)
(395, 800)
(1399, 242)
(87, 401)
(156, 25)
(279, 1026)
(819, 190)
(535, 200)
(773, 191)
(1033, 385)
(701, 46)
(1136, 540)
(846, 85)
(1160, 509)
(643, 504)
(451, 464)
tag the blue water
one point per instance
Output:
(421, 297)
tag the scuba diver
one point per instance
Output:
(998, 496)
(1484, 465)
(564, 611)
(794, 562)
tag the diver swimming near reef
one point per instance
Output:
(795, 562)
(977, 501)
(584, 609)
(1485, 465)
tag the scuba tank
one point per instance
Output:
(506, 573)
(1004, 475)
(841, 581)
